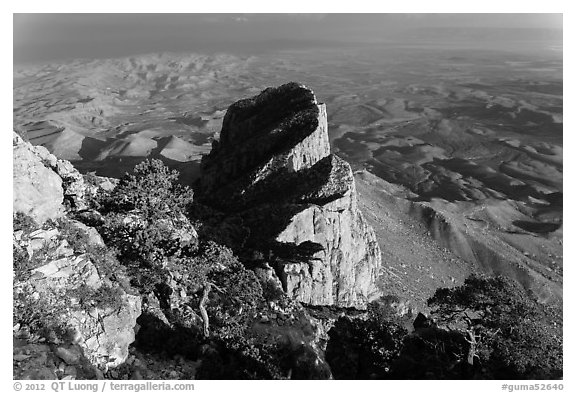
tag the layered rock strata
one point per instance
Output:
(272, 167)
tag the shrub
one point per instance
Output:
(236, 287)
(142, 214)
(363, 348)
(23, 222)
(105, 296)
(510, 334)
(76, 237)
(21, 264)
(108, 267)
(152, 190)
(235, 355)
(40, 315)
(142, 241)
(432, 353)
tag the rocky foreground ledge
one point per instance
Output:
(272, 167)
(60, 269)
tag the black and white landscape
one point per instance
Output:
(356, 197)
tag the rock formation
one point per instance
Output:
(60, 268)
(102, 332)
(37, 190)
(272, 167)
(44, 186)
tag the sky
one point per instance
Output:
(43, 37)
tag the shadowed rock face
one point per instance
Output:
(272, 167)
(279, 132)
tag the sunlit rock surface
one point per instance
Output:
(273, 168)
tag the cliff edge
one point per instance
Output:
(272, 167)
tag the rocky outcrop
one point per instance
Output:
(272, 167)
(44, 186)
(74, 311)
(98, 314)
(37, 190)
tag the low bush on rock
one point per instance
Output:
(152, 190)
(365, 348)
(105, 297)
(144, 216)
(509, 333)
(488, 328)
(23, 222)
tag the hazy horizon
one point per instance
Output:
(47, 37)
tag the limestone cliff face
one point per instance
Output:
(272, 167)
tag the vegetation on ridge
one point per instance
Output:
(144, 219)
(487, 328)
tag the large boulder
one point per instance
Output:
(272, 167)
(44, 187)
(37, 190)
